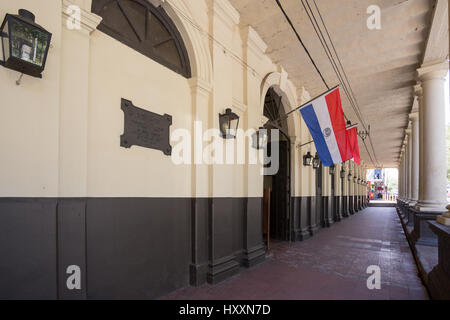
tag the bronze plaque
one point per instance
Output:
(145, 129)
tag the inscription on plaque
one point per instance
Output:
(145, 129)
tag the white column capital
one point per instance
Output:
(436, 70)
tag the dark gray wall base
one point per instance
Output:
(345, 207)
(126, 248)
(329, 211)
(198, 274)
(222, 269)
(301, 235)
(28, 251)
(254, 256)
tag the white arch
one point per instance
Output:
(196, 44)
(286, 90)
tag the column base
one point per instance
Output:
(254, 256)
(222, 269)
(301, 235)
(429, 206)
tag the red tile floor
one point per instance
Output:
(330, 265)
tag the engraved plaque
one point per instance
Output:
(145, 129)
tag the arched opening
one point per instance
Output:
(146, 29)
(277, 187)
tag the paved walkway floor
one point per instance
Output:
(330, 265)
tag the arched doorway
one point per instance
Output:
(277, 187)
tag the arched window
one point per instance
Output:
(146, 29)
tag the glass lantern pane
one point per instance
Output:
(233, 125)
(5, 44)
(224, 125)
(28, 43)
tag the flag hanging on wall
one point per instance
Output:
(353, 142)
(326, 123)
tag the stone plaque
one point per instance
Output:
(145, 129)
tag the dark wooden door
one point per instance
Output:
(280, 200)
(319, 200)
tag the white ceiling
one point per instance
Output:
(380, 64)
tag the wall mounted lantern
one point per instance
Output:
(342, 173)
(308, 160)
(355, 179)
(316, 162)
(260, 139)
(349, 176)
(25, 44)
(332, 170)
(229, 123)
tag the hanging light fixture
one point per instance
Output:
(229, 123)
(342, 173)
(25, 44)
(260, 139)
(308, 160)
(316, 162)
(332, 170)
(349, 176)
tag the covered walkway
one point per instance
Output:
(331, 265)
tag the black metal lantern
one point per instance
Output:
(332, 170)
(349, 176)
(25, 44)
(229, 123)
(355, 179)
(316, 162)
(342, 173)
(308, 160)
(260, 139)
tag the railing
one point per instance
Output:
(389, 197)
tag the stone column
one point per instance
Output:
(434, 181)
(414, 140)
(419, 94)
(400, 177)
(408, 166)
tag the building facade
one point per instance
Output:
(134, 222)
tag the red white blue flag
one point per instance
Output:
(353, 144)
(326, 123)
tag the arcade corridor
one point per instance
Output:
(331, 265)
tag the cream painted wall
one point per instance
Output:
(29, 114)
(60, 135)
(116, 72)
